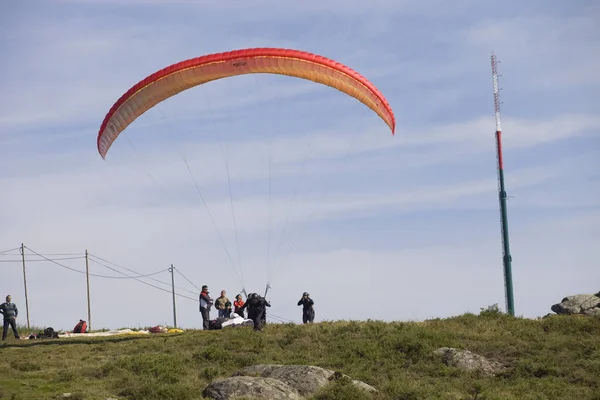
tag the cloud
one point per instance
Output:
(344, 207)
(561, 50)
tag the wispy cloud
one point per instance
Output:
(323, 196)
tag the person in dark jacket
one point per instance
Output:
(257, 310)
(308, 311)
(10, 312)
(206, 303)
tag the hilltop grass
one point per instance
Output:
(553, 358)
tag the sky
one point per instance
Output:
(290, 182)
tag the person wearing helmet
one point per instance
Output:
(308, 311)
(256, 310)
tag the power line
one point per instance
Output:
(104, 276)
(280, 319)
(149, 284)
(44, 260)
(9, 250)
(135, 272)
(64, 254)
(3, 253)
(64, 266)
(277, 318)
(126, 276)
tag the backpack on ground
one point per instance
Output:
(216, 323)
(81, 327)
(48, 333)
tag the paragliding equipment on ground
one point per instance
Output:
(176, 78)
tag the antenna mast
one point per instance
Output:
(506, 257)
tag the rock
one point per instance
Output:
(306, 379)
(272, 381)
(250, 387)
(592, 312)
(464, 359)
(578, 304)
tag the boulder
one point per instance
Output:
(250, 387)
(306, 379)
(466, 360)
(272, 381)
(587, 304)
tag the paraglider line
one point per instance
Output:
(184, 277)
(287, 218)
(270, 167)
(210, 216)
(137, 154)
(305, 221)
(225, 160)
(232, 264)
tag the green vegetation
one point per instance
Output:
(552, 358)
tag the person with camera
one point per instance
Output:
(308, 311)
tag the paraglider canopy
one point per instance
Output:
(189, 73)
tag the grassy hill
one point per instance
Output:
(553, 358)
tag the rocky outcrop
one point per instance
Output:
(466, 360)
(271, 381)
(250, 387)
(584, 304)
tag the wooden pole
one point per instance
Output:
(172, 270)
(25, 285)
(87, 278)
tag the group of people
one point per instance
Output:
(255, 304)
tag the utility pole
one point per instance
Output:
(506, 257)
(172, 271)
(87, 278)
(25, 285)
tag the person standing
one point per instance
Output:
(256, 310)
(308, 311)
(238, 304)
(220, 304)
(206, 303)
(10, 312)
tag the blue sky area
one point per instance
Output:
(402, 227)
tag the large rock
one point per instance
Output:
(306, 379)
(271, 381)
(593, 312)
(250, 387)
(587, 304)
(464, 359)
